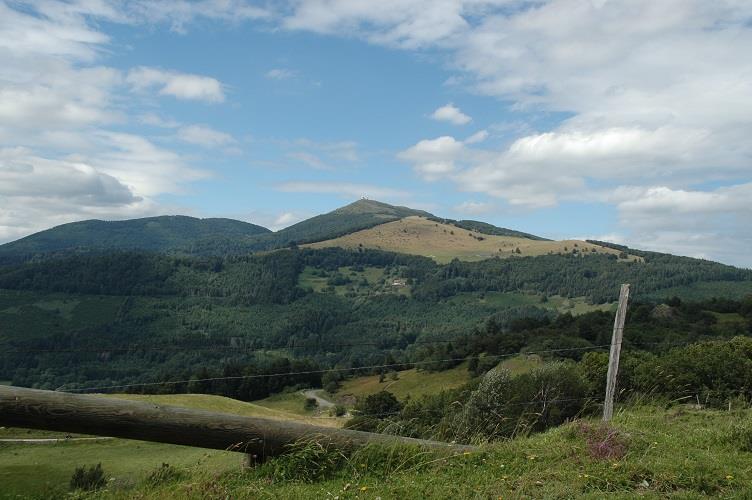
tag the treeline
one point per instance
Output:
(596, 277)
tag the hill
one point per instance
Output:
(164, 234)
(419, 235)
(184, 235)
(356, 216)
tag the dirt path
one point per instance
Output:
(314, 394)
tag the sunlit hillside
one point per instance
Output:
(444, 242)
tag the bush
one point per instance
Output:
(310, 404)
(503, 406)
(88, 480)
(369, 411)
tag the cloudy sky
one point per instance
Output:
(625, 120)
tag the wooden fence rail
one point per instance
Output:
(101, 416)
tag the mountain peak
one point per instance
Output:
(374, 207)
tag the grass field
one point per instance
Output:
(43, 470)
(416, 383)
(676, 453)
(411, 382)
(263, 408)
(444, 242)
(369, 281)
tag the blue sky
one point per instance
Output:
(564, 118)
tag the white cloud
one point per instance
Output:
(38, 192)
(179, 13)
(156, 120)
(348, 190)
(205, 136)
(434, 158)
(477, 137)
(474, 207)
(280, 74)
(179, 85)
(309, 159)
(285, 219)
(406, 24)
(452, 114)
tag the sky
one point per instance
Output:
(627, 121)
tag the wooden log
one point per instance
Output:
(101, 416)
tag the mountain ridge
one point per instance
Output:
(180, 234)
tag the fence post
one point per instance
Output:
(613, 358)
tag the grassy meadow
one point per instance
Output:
(444, 242)
(647, 452)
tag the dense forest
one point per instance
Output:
(100, 319)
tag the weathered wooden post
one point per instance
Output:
(613, 358)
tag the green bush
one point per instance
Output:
(503, 406)
(88, 479)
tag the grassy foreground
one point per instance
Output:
(648, 452)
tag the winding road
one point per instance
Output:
(313, 394)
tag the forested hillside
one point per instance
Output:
(166, 234)
(102, 319)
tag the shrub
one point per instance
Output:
(369, 411)
(310, 404)
(88, 479)
(503, 406)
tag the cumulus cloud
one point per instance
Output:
(452, 114)
(434, 158)
(39, 192)
(179, 85)
(411, 24)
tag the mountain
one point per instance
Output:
(356, 216)
(217, 237)
(166, 234)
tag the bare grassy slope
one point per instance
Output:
(443, 242)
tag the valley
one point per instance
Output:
(383, 319)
